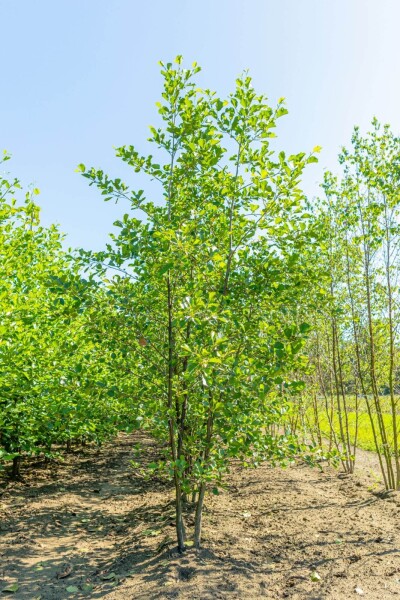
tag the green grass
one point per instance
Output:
(365, 439)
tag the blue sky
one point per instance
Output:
(79, 77)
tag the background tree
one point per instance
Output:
(355, 347)
(57, 377)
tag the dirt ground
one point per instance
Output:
(90, 528)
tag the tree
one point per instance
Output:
(213, 273)
(362, 251)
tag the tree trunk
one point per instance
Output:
(16, 467)
(199, 516)
(202, 489)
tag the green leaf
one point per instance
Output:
(151, 532)
(11, 589)
(165, 268)
(108, 576)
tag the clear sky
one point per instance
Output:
(79, 77)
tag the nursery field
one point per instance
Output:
(89, 527)
(200, 300)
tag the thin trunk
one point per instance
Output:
(173, 419)
(181, 413)
(180, 530)
(316, 419)
(328, 409)
(16, 467)
(389, 479)
(337, 391)
(391, 350)
(350, 460)
(360, 375)
(202, 489)
(356, 423)
(199, 516)
(381, 424)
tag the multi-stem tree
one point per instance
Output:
(213, 277)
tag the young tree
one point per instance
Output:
(363, 210)
(213, 277)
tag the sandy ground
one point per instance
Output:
(90, 528)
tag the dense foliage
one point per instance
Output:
(56, 382)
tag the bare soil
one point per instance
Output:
(89, 527)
